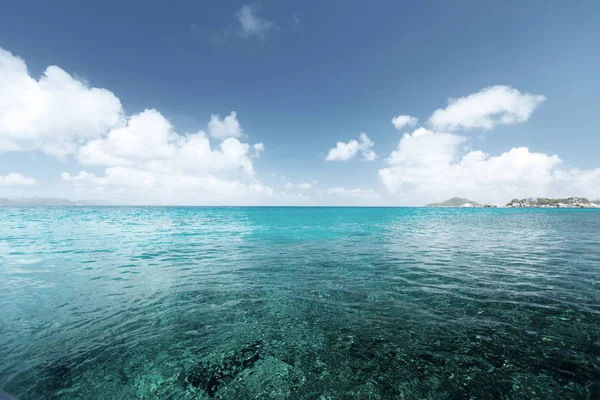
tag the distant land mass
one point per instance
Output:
(455, 202)
(540, 202)
(47, 201)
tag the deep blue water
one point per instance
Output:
(299, 303)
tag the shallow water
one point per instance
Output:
(299, 303)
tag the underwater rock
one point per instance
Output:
(54, 377)
(210, 377)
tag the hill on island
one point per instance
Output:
(455, 202)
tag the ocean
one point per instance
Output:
(299, 303)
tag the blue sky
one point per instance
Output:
(302, 76)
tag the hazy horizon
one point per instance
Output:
(44, 201)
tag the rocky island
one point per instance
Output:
(542, 202)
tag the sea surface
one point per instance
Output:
(299, 303)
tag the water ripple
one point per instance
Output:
(304, 303)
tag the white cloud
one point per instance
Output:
(404, 120)
(426, 149)
(147, 186)
(429, 166)
(81, 176)
(304, 185)
(144, 159)
(147, 154)
(485, 109)
(248, 25)
(146, 136)
(366, 148)
(225, 128)
(251, 24)
(16, 179)
(362, 193)
(577, 181)
(258, 148)
(345, 151)
(54, 113)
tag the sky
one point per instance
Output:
(299, 102)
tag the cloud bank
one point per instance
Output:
(140, 157)
(431, 166)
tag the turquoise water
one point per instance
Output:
(299, 303)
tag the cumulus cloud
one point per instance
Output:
(401, 121)
(146, 136)
(16, 179)
(225, 128)
(485, 109)
(251, 24)
(54, 113)
(345, 151)
(147, 154)
(430, 166)
(142, 155)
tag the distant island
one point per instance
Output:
(540, 202)
(455, 202)
(46, 201)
